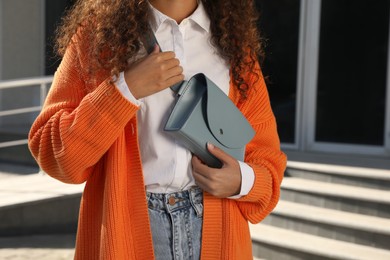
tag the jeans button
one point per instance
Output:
(172, 201)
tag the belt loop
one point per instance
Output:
(198, 207)
(147, 197)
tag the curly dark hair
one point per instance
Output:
(116, 27)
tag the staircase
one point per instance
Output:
(327, 212)
(36, 204)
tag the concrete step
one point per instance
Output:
(356, 176)
(12, 170)
(33, 187)
(337, 196)
(9, 135)
(344, 226)
(276, 243)
(42, 247)
(37, 204)
(19, 154)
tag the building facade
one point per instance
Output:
(26, 29)
(327, 69)
(328, 63)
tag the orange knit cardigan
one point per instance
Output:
(87, 132)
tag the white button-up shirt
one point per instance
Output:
(166, 163)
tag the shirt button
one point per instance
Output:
(171, 201)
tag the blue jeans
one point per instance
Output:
(176, 222)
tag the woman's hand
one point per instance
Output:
(221, 183)
(155, 72)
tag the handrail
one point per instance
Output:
(25, 82)
(43, 82)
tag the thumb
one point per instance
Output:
(156, 49)
(220, 154)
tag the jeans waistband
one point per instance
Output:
(171, 202)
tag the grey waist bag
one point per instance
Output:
(204, 114)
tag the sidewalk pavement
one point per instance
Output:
(18, 189)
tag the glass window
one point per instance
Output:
(279, 26)
(352, 71)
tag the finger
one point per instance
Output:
(156, 49)
(200, 180)
(167, 70)
(210, 186)
(201, 168)
(170, 82)
(171, 64)
(163, 56)
(174, 71)
(173, 80)
(220, 154)
(197, 164)
(204, 183)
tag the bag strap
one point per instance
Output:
(149, 41)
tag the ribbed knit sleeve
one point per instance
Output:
(263, 154)
(77, 125)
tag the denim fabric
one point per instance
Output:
(176, 222)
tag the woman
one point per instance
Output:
(146, 196)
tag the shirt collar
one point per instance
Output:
(199, 16)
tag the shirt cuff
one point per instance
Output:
(247, 180)
(124, 89)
